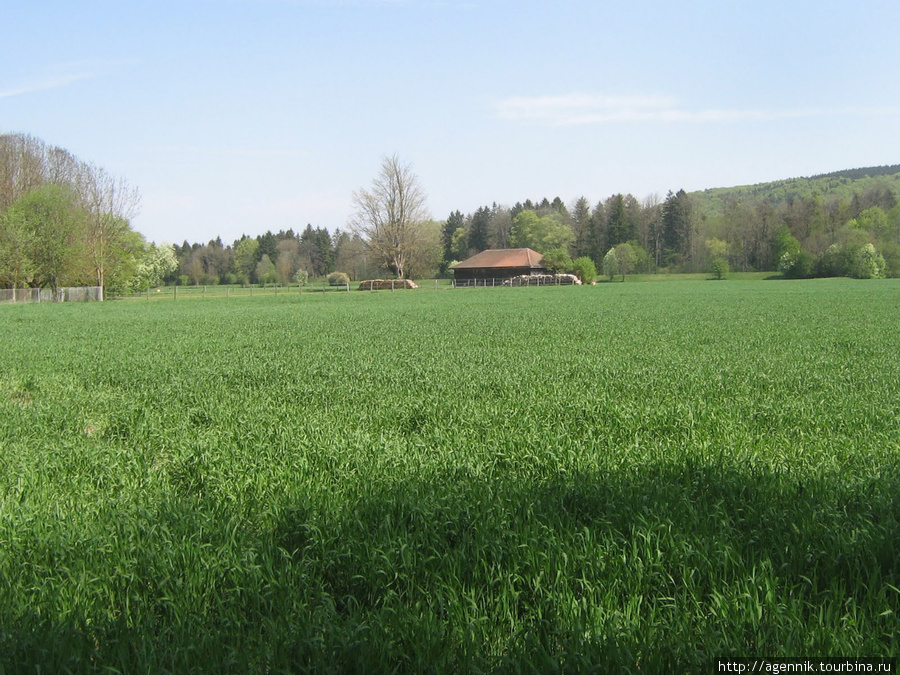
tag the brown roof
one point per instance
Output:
(502, 257)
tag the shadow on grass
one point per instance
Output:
(669, 565)
(662, 568)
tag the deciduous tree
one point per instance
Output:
(16, 248)
(557, 261)
(244, 259)
(56, 225)
(610, 264)
(110, 204)
(391, 214)
(156, 263)
(265, 270)
(541, 233)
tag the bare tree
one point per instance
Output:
(22, 166)
(288, 261)
(390, 216)
(110, 204)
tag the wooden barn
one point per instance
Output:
(491, 267)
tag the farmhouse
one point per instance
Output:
(491, 267)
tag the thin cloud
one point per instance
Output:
(201, 151)
(44, 83)
(59, 75)
(585, 109)
(365, 3)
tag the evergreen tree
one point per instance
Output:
(451, 225)
(618, 229)
(479, 223)
(581, 224)
(676, 223)
(597, 234)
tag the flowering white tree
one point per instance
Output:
(610, 264)
(156, 263)
(868, 263)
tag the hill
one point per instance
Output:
(834, 186)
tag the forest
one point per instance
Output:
(845, 224)
(65, 222)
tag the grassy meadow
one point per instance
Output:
(632, 477)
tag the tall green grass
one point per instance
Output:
(631, 477)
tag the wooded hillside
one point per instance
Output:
(839, 224)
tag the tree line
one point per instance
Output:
(66, 222)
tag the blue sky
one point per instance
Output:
(240, 116)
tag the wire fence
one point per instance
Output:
(94, 293)
(252, 291)
(68, 294)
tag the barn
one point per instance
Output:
(491, 267)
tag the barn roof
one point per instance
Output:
(502, 258)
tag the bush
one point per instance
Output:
(557, 261)
(834, 262)
(585, 269)
(799, 265)
(890, 251)
(301, 277)
(719, 268)
(868, 263)
(338, 279)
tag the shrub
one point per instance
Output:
(890, 251)
(338, 279)
(301, 277)
(834, 262)
(868, 263)
(557, 261)
(585, 269)
(719, 268)
(799, 265)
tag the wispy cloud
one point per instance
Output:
(583, 109)
(42, 84)
(225, 151)
(367, 3)
(53, 77)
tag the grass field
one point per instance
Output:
(626, 477)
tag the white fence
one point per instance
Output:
(75, 294)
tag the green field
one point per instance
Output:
(626, 477)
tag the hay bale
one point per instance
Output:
(386, 284)
(543, 280)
